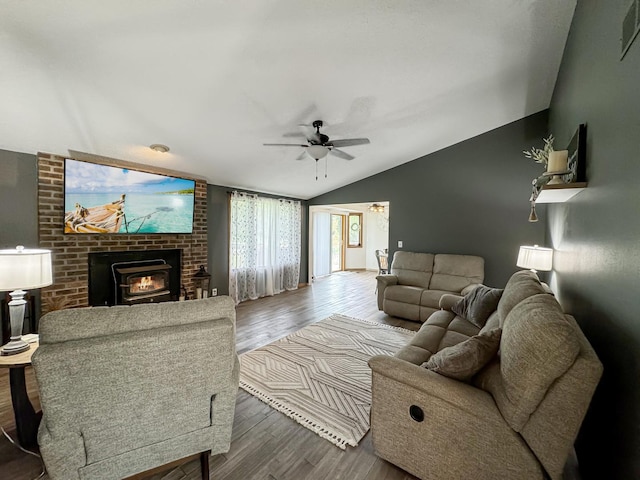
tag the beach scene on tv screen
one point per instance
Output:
(106, 199)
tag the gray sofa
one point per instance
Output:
(515, 419)
(129, 388)
(417, 281)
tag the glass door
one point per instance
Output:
(337, 243)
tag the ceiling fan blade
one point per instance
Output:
(350, 142)
(341, 154)
(284, 145)
(303, 155)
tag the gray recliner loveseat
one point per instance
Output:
(516, 418)
(417, 281)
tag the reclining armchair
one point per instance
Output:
(127, 389)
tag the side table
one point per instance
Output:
(27, 420)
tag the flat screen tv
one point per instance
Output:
(104, 199)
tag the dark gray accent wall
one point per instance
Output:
(19, 208)
(218, 237)
(218, 229)
(471, 198)
(597, 234)
(18, 198)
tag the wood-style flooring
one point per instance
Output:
(265, 444)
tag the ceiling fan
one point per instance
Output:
(319, 146)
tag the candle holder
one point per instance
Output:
(202, 280)
(557, 166)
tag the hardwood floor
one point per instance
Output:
(265, 443)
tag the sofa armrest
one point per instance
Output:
(423, 380)
(448, 300)
(387, 279)
(469, 288)
(413, 407)
(383, 282)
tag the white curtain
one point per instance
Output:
(264, 245)
(321, 244)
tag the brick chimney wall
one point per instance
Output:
(70, 252)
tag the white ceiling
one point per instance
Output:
(215, 79)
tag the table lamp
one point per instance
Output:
(535, 258)
(22, 269)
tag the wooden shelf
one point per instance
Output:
(560, 193)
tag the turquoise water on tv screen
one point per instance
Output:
(144, 213)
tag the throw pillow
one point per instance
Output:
(477, 305)
(464, 360)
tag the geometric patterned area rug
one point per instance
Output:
(319, 376)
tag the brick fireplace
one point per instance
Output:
(71, 252)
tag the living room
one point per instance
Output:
(472, 197)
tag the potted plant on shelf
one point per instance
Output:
(541, 155)
(555, 163)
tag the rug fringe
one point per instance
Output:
(310, 424)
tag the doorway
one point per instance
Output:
(330, 234)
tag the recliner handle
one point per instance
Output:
(416, 413)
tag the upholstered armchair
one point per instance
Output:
(127, 389)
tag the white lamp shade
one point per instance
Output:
(535, 258)
(24, 269)
(317, 151)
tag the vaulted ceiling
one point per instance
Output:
(214, 80)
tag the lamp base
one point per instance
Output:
(16, 317)
(15, 345)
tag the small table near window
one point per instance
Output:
(27, 420)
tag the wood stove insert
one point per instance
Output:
(144, 284)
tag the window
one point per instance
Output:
(264, 246)
(354, 233)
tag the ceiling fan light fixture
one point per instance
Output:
(157, 147)
(317, 151)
